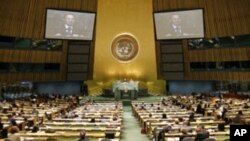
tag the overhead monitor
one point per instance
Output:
(182, 24)
(71, 25)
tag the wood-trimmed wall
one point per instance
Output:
(222, 18)
(26, 19)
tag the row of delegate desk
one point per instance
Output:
(25, 112)
(150, 117)
(69, 128)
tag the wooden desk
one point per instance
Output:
(65, 134)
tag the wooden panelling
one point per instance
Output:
(18, 77)
(79, 49)
(34, 56)
(77, 67)
(31, 56)
(221, 54)
(26, 19)
(215, 55)
(77, 76)
(78, 58)
(219, 75)
(170, 61)
(173, 67)
(221, 18)
(175, 48)
(79, 64)
(172, 58)
(173, 75)
(63, 64)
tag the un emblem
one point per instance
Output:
(124, 48)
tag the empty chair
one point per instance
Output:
(210, 139)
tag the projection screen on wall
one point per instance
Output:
(72, 25)
(179, 24)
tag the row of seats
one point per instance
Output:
(179, 116)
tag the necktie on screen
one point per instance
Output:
(69, 30)
(177, 29)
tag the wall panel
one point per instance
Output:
(17, 77)
(221, 54)
(26, 19)
(222, 18)
(33, 56)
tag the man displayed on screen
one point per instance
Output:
(69, 28)
(176, 26)
(183, 24)
(62, 24)
(69, 23)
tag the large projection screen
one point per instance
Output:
(183, 24)
(72, 25)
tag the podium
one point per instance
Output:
(120, 94)
(125, 89)
(133, 95)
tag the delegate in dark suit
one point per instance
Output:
(175, 27)
(68, 31)
(202, 136)
(202, 133)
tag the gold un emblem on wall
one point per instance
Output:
(124, 48)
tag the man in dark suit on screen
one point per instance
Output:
(69, 27)
(177, 27)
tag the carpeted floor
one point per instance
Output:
(131, 129)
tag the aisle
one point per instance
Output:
(131, 129)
